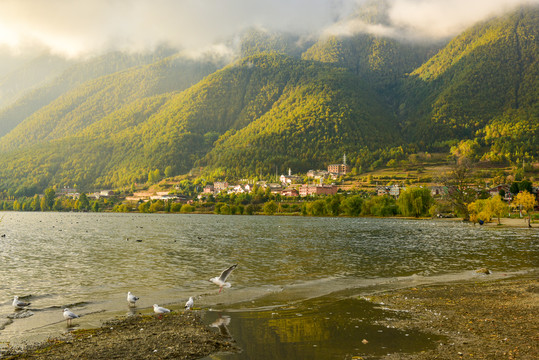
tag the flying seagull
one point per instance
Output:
(221, 280)
(189, 303)
(68, 315)
(160, 310)
(131, 299)
(17, 304)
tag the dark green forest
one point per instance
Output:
(108, 122)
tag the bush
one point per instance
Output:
(379, 206)
(186, 208)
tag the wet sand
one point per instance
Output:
(496, 319)
(482, 319)
(170, 336)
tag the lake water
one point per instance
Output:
(295, 294)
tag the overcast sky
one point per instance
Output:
(82, 27)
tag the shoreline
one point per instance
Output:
(486, 318)
(171, 336)
(489, 319)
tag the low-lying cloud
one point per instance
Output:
(80, 27)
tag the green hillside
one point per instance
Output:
(73, 76)
(484, 79)
(285, 105)
(302, 102)
(95, 99)
(29, 75)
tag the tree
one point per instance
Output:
(459, 191)
(186, 208)
(515, 188)
(351, 206)
(525, 201)
(318, 208)
(525, 185)
(379, 206)
(84, 203)
(43, 204)
(498, 207)
(270, 207)
(49, 198)
(168, 171)
(466, 150)
(334, 205)
(479, 211)
(415, 201)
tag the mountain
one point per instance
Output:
(31, 74)
(284, 103)
(91, 101)
(73, 76)
(486, 74)
(300, 102)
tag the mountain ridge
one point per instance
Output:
(373, 98)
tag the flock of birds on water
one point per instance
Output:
(132, 299)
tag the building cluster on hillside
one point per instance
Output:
(289, 185)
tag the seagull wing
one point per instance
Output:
(227, 272)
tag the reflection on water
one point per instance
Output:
(319, 329)
(88, 262)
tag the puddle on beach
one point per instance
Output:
(317, 329)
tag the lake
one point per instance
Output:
(297, 291)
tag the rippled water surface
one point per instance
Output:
(89, 262)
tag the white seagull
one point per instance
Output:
(160, 310)
(68, 315)
(189, 303)
(17, 304)
(221, 280)
(131, 299)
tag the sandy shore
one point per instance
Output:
(504, 222)
(496, 319)
(481, 319)
(172, 336)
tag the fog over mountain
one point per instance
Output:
(75, 28)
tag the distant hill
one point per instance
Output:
(91, 101)
(29, 75)
(63, 81)
(300, 102)
(485, 78)
(284, 103)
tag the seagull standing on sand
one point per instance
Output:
(131, 299)
(221, 280)
(160, 310)
(189, 303)
(17, 304)
(68, 315)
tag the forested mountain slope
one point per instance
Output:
(95, 99)
(29, 75)
(266, 111)
(482, 82)
(73, 76)
(287, 104)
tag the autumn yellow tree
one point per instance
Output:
(479, 211)
(497, 207)
(485, 209)
(525, 201)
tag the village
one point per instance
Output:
(314, 184)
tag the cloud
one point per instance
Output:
(442, 18)
(79, 27)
